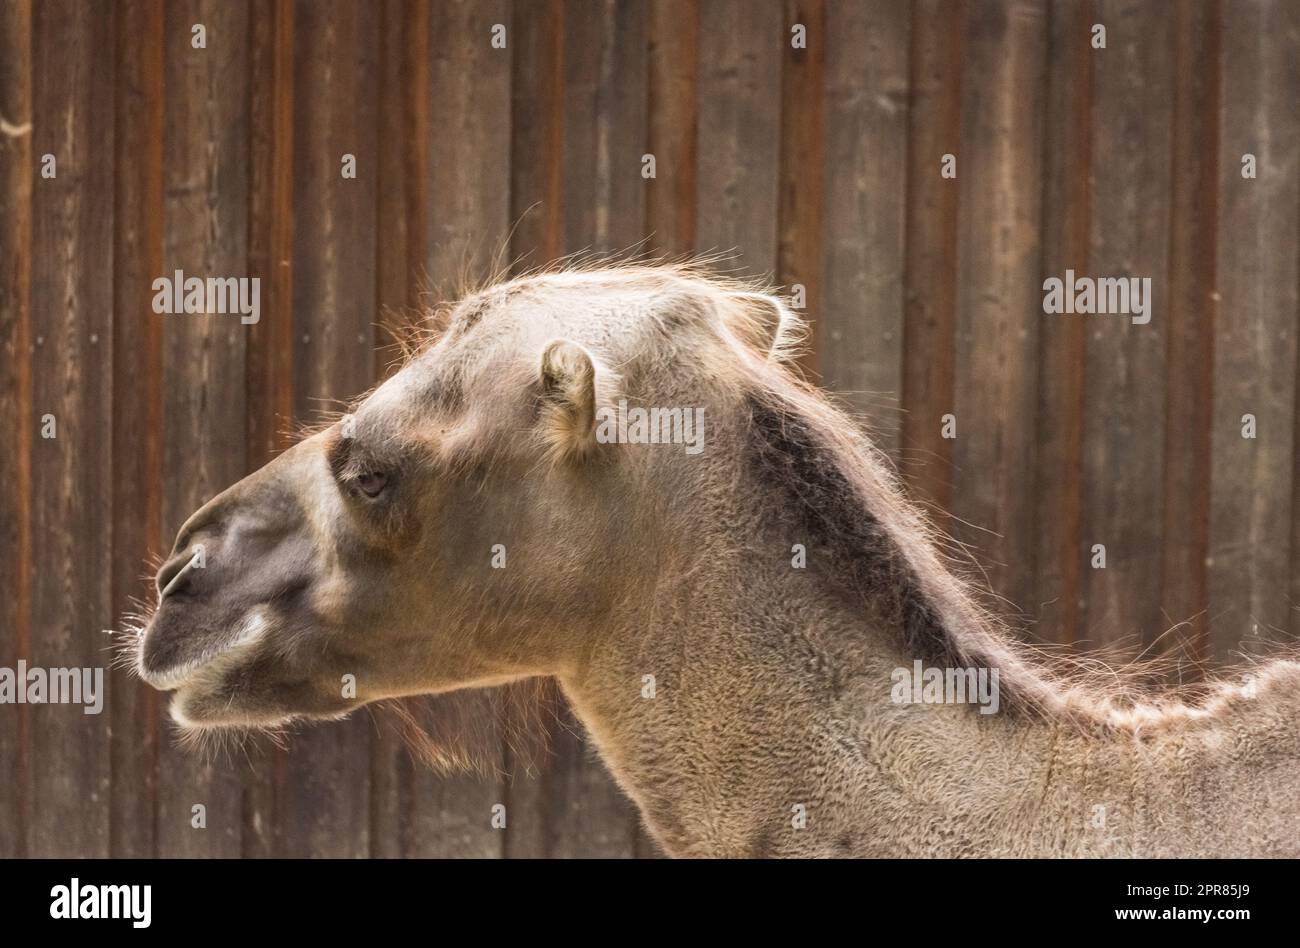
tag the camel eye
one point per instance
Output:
(372, 483)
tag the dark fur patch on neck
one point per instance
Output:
(820, 507)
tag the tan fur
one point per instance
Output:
(771, 684)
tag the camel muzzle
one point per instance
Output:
(242, 558)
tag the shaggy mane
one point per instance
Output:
(844, 493)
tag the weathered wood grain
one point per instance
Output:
(673, 105)
(137, 407)
(859, 313)
(1193, 305)
(935, 60)
(999, 305)
(1124, 395)
(803, 159)
(1251, 518)
(1067, 156)
(737, 176)
(71, 382)
(16, 412)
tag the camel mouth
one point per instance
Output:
(209, 664)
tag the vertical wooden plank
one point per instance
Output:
(1193, 307)
(936, 55)
(327, 803)
(334, 68)
(419, 116)
(269, 348)
(1067, 202)
(673, 107)
(584, 52)
(392, 259)
(804, 157)
(71, 313)
(206, 173)
(1295, 506)
(537, 133)
(867, 82)
(270, 241)
(739, 127)
(403, 118)
(1251, 516)
(467, 209)
(16, 411)
(1124, 405)
(468, 202)
(999, 167)
(137, 405)
(605, 126)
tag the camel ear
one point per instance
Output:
(568, 409)
(768, 322)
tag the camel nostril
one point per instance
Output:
(173, 575)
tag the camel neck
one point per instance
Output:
(743, 730)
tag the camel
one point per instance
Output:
(765, 640)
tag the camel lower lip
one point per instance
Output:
(191, 716)
(175, 710)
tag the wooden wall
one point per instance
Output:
(818, 166)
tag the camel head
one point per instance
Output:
(476, 519)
